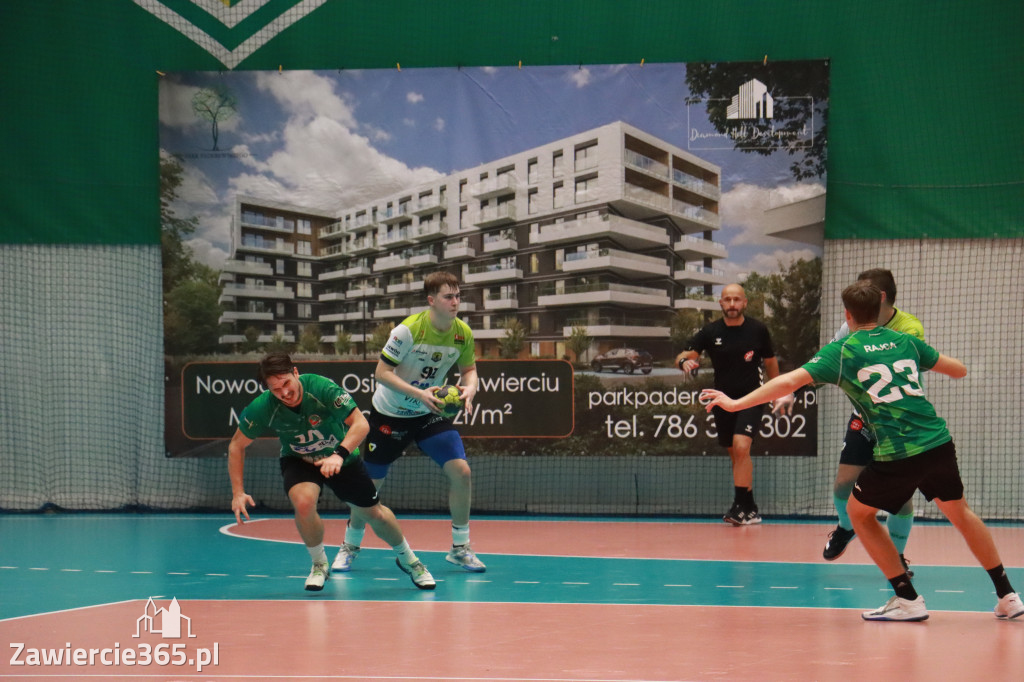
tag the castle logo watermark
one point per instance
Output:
(169, 622)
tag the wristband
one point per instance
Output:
(682, 361)
(342, 452)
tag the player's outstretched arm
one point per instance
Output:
(951, 367)
(236, 469)
(776, 388)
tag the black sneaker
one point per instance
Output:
(906, 566)
(837, 542)
(738, 516)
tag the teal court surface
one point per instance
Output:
(98, 596)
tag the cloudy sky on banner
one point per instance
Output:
(331, 139)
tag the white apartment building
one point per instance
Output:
(609, 229)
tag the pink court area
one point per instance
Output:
(434, 640)
(930, 544)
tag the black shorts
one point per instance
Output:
(858, 445)
(888, 485)
(745, 423)
(352, 484)
(390, 436)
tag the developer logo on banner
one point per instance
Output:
(168, 622)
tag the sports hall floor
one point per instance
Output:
(563, 600)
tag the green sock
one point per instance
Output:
(844, 518)
(899, 529)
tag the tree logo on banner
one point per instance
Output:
(217, 21)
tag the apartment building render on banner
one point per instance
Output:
(609, 229)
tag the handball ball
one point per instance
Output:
(452, 402)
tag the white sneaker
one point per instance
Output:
(346, 555)
(317, 577)
(462, 555)
(1009, 607)
(421, 577)
(899, 609)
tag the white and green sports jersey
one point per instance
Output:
(880, 371)
(901, 321)
(422, 355)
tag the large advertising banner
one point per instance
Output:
(592, 214)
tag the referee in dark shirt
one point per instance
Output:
(737, 346)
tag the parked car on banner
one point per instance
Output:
(628, 360)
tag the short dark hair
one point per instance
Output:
(275, 363)
(863, 299)
(433, 282)
(882, 279)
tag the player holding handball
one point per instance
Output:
(418, 356)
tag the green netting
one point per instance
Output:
(81, 413)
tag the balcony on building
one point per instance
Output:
(252, 244)
(500, 243)
(399, 286)
(399, 236)
(686, 303)
(621, 262)
(359, 269)
(332, 275)
(432, 203)
(330, 250)
(694, 217)
(364, 222)
(490, 272)
(625, 328)
(363, 292)
(329, 296)
(331, 317)
(695, 274)
(459, 250)
(335, 230)
(232, 291)
(229, 316)
(630, 233)
(389, 313)
(500, 300)
(696, 185)
(392, 261)
(363, 244)
(693, 247)
(251, 219)
(394, 215)
(488, 334)
(430, 229)
(245, 267)
(493, 216)
(602, 293)
(501, 185)
(645, 164)
(423, 258)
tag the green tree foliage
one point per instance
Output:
(791, 301)
(579, 341)
(178, 265)
(684, 324)
(277, 344)
(343, 344)
(191, 291)
(511, 344)
(191, 316)
(252, 339)
(378, 338)
(717, 83)
(309, 340)
(215, 104)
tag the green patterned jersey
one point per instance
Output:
(422, 355)
(879, 370)
(313, 430)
